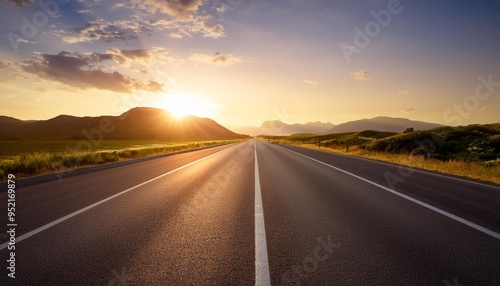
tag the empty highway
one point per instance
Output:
(255, 213)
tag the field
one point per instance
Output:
(29, 158)
(467, 151)
(471, 170)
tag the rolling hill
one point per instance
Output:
(382, 123)
(137, 123)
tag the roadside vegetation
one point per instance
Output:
(467, 151)
(29, 158)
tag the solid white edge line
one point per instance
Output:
(51, 224)
(262, 276)
(414, 169)
(435, 209)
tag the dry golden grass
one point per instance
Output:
(471, 170)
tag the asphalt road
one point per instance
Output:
(255, 213)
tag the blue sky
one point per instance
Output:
(241, 62)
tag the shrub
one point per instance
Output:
(492, 163)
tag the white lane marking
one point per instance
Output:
(413, 169)
(51, 224)
(440, 211)
(262, 276)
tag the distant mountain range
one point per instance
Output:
(382, 123)
(276, 127)
(153, 123)
(137, 123)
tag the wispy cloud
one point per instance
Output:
(408, 110)
(403, 92)
(4, 65)
(175, 8)
(216, 59)
(199, 25)
(11, 71)
(215, 32)
(311, 82)
(125, 57)
(361, 75)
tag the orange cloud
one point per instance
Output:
(361, 75)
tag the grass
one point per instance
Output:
(29, 158)
(473, 170)
(467, 151)
(17, 147)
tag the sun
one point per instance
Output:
(180, 104)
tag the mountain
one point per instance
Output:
(7, 123)
(382, 123)
(9, 120)
(276, 127)
(137, 123)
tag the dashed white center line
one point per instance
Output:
(262, 276)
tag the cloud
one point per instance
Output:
(154, 86)
(131, 29)
(9, 71)
(176, 8)
(125, 57)
(161, 55)
(84, 71)
(20, 3)
(215, 32)
(221, 8)
(4, 65)
(96, 31)
(361, 75)
(408, 110)
(187, 27)
(216, 59)
(403, 92)
(311, 82)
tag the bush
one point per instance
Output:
(492, 163)
(494, 142)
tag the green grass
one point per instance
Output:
(29, 158)
(468, 151)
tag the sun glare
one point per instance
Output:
(182, 104)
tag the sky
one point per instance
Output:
(241, 62)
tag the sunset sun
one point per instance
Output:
(180, 104)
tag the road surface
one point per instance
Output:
(255, 213)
